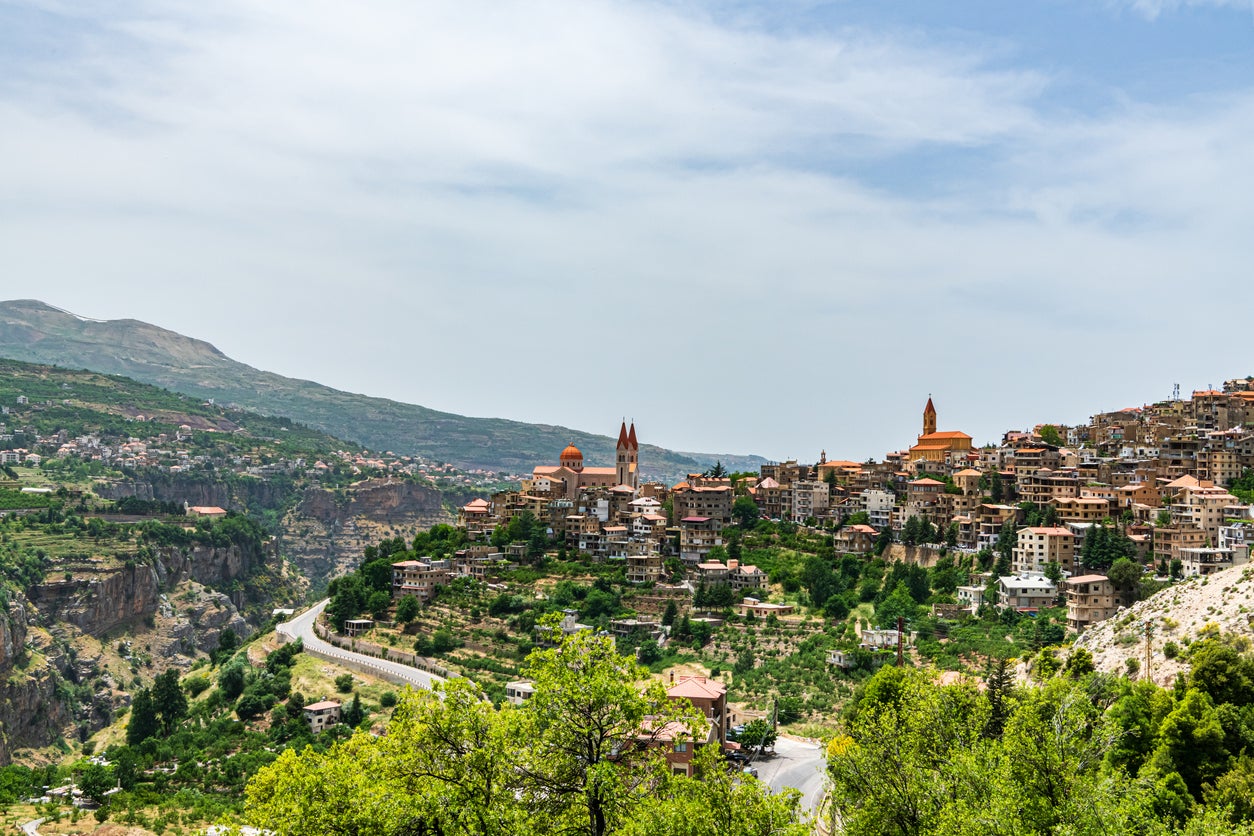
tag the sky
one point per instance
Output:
(770, 228)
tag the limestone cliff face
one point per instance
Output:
(13, 626)
(30, 713)
(101, 601)
(324, 535)
(52, 639)
(380, 500)
(236, 495)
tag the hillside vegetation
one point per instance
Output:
(35, 332)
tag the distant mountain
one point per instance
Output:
(34, 332)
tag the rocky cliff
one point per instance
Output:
(29, 707)
(324, 535)
(69, 645)
(238, 494)
(96, 602)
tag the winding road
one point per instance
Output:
(797, 765)
(302, 627)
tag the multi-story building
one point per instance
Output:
(420, 578)
(1171, 539)
(1200, 562)
(703, 497)
(647, 567)
(1090, 599)
(1027, 593)
(878, 505)
(697, 536)
(1037, 547)
(1082, 509)
(809, 499)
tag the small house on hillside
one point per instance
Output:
(322, 715)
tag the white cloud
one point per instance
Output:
(1152, 9)
(419, 200)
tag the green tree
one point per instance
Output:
(999, 688)
(1191, 742)
(1221, 673)
(378, 604)
(584, 726)
(227, 642)
(997, 489)
(745, 512)
(715, 803)
(232, 678)
(353, 713)
(668, 616)
(1126, 575)
(96, 780)
(899, 604)
(344, 683)
(143, 722)
(758, 733)
(348, 791)
(1049, 434)
(910, 531)
(407, 609)
(168, 701)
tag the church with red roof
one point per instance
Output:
(571, 472)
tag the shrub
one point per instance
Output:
(344, 683)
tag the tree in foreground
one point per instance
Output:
(576, 758)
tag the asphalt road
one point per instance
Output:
(797, 765)
(794, 764)
(301, 627)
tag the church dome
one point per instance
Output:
(571, 454)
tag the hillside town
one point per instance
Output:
(184, 448)
(1159, 477)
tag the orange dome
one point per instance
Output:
(571, 453)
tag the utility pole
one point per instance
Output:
(900, 626)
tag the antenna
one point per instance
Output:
(1175, 392)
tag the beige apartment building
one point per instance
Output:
(420, 578)
(1090, 599)
(1082, 509)
(697, 536)
(1039, 546)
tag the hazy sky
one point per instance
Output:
(754, 227)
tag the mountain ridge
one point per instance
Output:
(33, 331)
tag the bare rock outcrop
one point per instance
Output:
(1184, 612)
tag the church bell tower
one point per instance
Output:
(929, 417)
(628, 456)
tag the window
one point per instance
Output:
(681, 747)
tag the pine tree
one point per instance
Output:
(168, 701)
(143, 722)
(352, 715)
(999, 683)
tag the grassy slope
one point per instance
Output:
(83, 401)
(35, 332)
